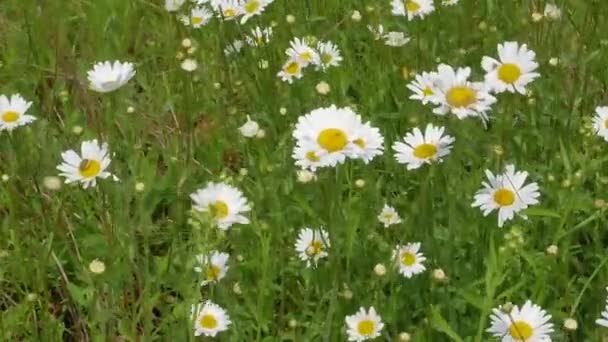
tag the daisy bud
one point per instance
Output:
(552, 250)
(290, 19)
(482, 26)
(404, 337)
(599, 203)
(191, 50)
(5, 178)
(566, 183)
(323, 88)
(356, 16)
(236, 288)
(551, 178)
(283, 111)
(130, 109)
(139, 186)
(261, 134)
(554, 61)
(536, 17)
(347, 294)
(31, 297)
(250, 128)
(506, 308)
(380, 270)
(179, 55)
(186, 43)
(189, 65)
(305, 176)
(570, 324)
(243, 172)
(77, 130)
(293, 323)
(240, 258)
(359, 183)
(439, 275)
(97, 266)
(52, 183)
(217, 85)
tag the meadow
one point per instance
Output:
(317, 170)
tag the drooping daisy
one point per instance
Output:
(107, 76)
(301, 52)
(396, 39)
(412, 8)
(259, 36)
(312, 245)
(418, 149)
(409, 259)
(290, 70)
(328, 55)
(368, 143)
(199, 16)
(214, 266)
(227, 9)
(209, 319)
(389, 216)
(364, 325)
(251, 8)
(514, 69)
(424, 87)
(12, 112)
(449, 2)
(91, 164)
(225, 203)
(530, 324)
(603, 321)
(507, 193)
(600, 122)
(456, 94)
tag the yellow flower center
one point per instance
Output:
(315, 248)
(252, 6)
(425, 151)
(229, 12)
(10, 116)
(521, 330)
(408, 259)
(208, 322)
(292, 68)
(605, 123)
(461, 96)
(213, 272)
(504, 197)
(412, 6)
(326, 58)
(509, 73)
(427, 91)
(89, 168)
(307, 56)
(196, 20)
(312, 156)
(366, 327)
(219, 209)
(332, 139)
(360, 142)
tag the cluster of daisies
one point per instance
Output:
(301, 54)
(417, 8)
(202, 11)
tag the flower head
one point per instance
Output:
(408, 259)
(418, 149)
(12, 112)
(85, 168)
(225, 203)
(213, 266)
(107, 76)
(364, 325)
(528, 324)
(312, 245)
(209, 319)
(513, 71)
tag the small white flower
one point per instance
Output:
(603, 321)
(356, 16)
(209, 319)
(515, 69)
(418, 149)
(173, 5)
(363, 325)
(424, 87)
(378, 31)
(189, 65)
(227, 9)
(251, 8)
(530, 324)
(412, 8)
(600, 122)
(328, 55)
(214, 266)
(12, 112)
(305, 176)
(322, 88)
(107, 76)
(396, 39)
(225, 203)
(312, 245)
(88, 166)
(250, 128)
(97, 266)
(552, 11)
(199, 16)
(290, 70)
(301, 53)
(259, 36)
(409, 259)
(389, 216)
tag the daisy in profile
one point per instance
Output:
(396, 39)
(528, 324)
(85, 168)
(214, 266)
(412, 8)
(603, 321)
(507, 193)
(456, 94)
(227, 9)
(12, 112)
(291, 70)
(251, 8)
(513, 71)
(328, 55)
(408, 259)
(301, 52)
(312, 245)
(368, 143)
(173, 5)
(424, 87)
(225, 203)
(259, 36)
(418, 149)
(199, 16)
(364, 325)
(389, 216)
(209, 319)
(107, 76)
(600, 122)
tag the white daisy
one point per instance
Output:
(199, 16)
(418, 149)
(368, 143)
(424, 87)
(600, 122)
(233, 48)
(251, 8)
(456, 94)
(507, 193)
(389, 216)
(227, 9)
(513, 71)
(412, 8)
(308, 157)
(312, 245)
(213, 265)
(301, 52)
(408, 259)
(449, 2)
(603, 321)
(328, 55)
(209, 319)
(91, 164)
(290, 70)
(12, 112)
(225, 203)
(364, 325)
(396, 39)
(259, 36)
(173, 5)
(552, 11)
(530, 324)
(378, 31)
(107, 76)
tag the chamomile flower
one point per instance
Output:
(449, 2)
(259, 36)
(199, 16)
(12, 112)
(209, 319)
(173, 5)
(507, 193)
(368, 143)
(301, 52)
(227, 9)
(412, 8)
(603, 321)
(364, 325)
(456, 94)
(409, 259)
(308, 157)
(396, 39)
(312, 245)
(514, 69)
(233, 48)
(251, 8)
(378, 31)
(600, 122)
(291, 70)
(424, 87)
(85, 168)
(107, 76)
(418, 149)
(225, 203)
(214, 266)
(389, 216)
(328, 55)
(528, 324)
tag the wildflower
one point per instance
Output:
(173, 5)
(290, 70)
(603, 320)
(251, 8)
(259, 36)
(439, 275)
(97, 266)
(356, 16)
(418, 149)
(300, 52)
(404, 337)
(424, 87)
(364, 325)
(209, 319)
(12, 112)
(449, 2)
(322, 88)
(570, 324)
(378, 31)
(227, 9)
(260, 134)
(140, 187)
(214, 266)
(412, 8)
(600, 122)
(189, 65)
(199, 16)
(328, 55)
(514, 70)
(554, 61)
(87, 167)
(107, 76)
(233, 48)
(250, 128)
(395, 39)
(290, 19)
(186, 43)
(360, 183)
(52, 183)
(226, 204)
(389, 216)
(380, 270)
(408, 259)
(312, 245)
(552, 11)
(529, 324)
(305, 176)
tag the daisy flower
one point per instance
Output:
(225, 203)
(199, 16)
(418, 149)
(424, 87)
(364, 325)
(388, 216)
(307, 157)
(513, 71)
(312, 245)
(91, 164)
(227, 9)
(530, 324)
(233, 48)
(12, 112)
(507, 193)
(173, 5)
(328, 55)
(301, 52)
(395, 39)
(252, 8)
(107, 76)
(378, 31)
(213, 265)
(259, 36)
(368, 143)
(209, 319)
(412, 8)
(408, 259)
(603, 321)
(290, 70)
(600, 122)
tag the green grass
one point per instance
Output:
(183, 134)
